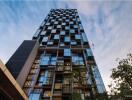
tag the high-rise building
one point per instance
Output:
(58, 63)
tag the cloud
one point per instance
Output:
(107, 24)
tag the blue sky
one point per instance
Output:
(108, 24)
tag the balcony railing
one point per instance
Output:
(67, 89)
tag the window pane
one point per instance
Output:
(67, 39)
(56, 37)
(43, 78)
(89, 52)
(44, 60)
(34, 96)
(49, 27)
(73, 43)
(84, 37)
(75, 26)
(53, 60)
(45, 39)
(58, 26)
(53, 31)
(62, 44)
(36, 34)
(56, 22)
(50, 43)
(63, 24)
(62, 33)
(72, 31)
(98, 79)
(43, 33)
(67, 28)
(77, 60)
(67, 52)
(77, 37)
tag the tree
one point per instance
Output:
(122, 76)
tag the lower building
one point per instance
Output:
(9, 88)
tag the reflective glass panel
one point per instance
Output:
(67, 52)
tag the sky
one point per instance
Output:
(107, 24)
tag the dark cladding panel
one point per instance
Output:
(17, 61)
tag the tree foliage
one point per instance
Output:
(122, 76)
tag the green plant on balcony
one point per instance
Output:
(76, 96)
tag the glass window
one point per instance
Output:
(52, 20)
(53, 31)
(98, 79)
(75, 26)
(89, 79)
(63, 24)
(67, 52)
(62, 44)
(77, 37)
(60, 19)
(67, 20)
(71, 23)
(43, 33)
(44, 60)
(78, 19)
(72, 31)
(56, 22)
(58, 26)
(67, 28)
(64, 17)
(49, 27)
(47, 60)
(84, 37)
(43, 78)
(50, 43)
(77, 60)
(53, 60)
(36, 34)
(89, 52)
(67, 39)
(45, 39)
(73, 43)
(34, 96)
(48, 24)
(80, 26)
(62, 33)
(100, 89)
(56, 37)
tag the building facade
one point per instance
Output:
(59, 64)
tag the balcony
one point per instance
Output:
(46, 95)
(58, 86)
(67, 89)
(59, 68)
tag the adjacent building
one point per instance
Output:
(9, 87)
(58, 63)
